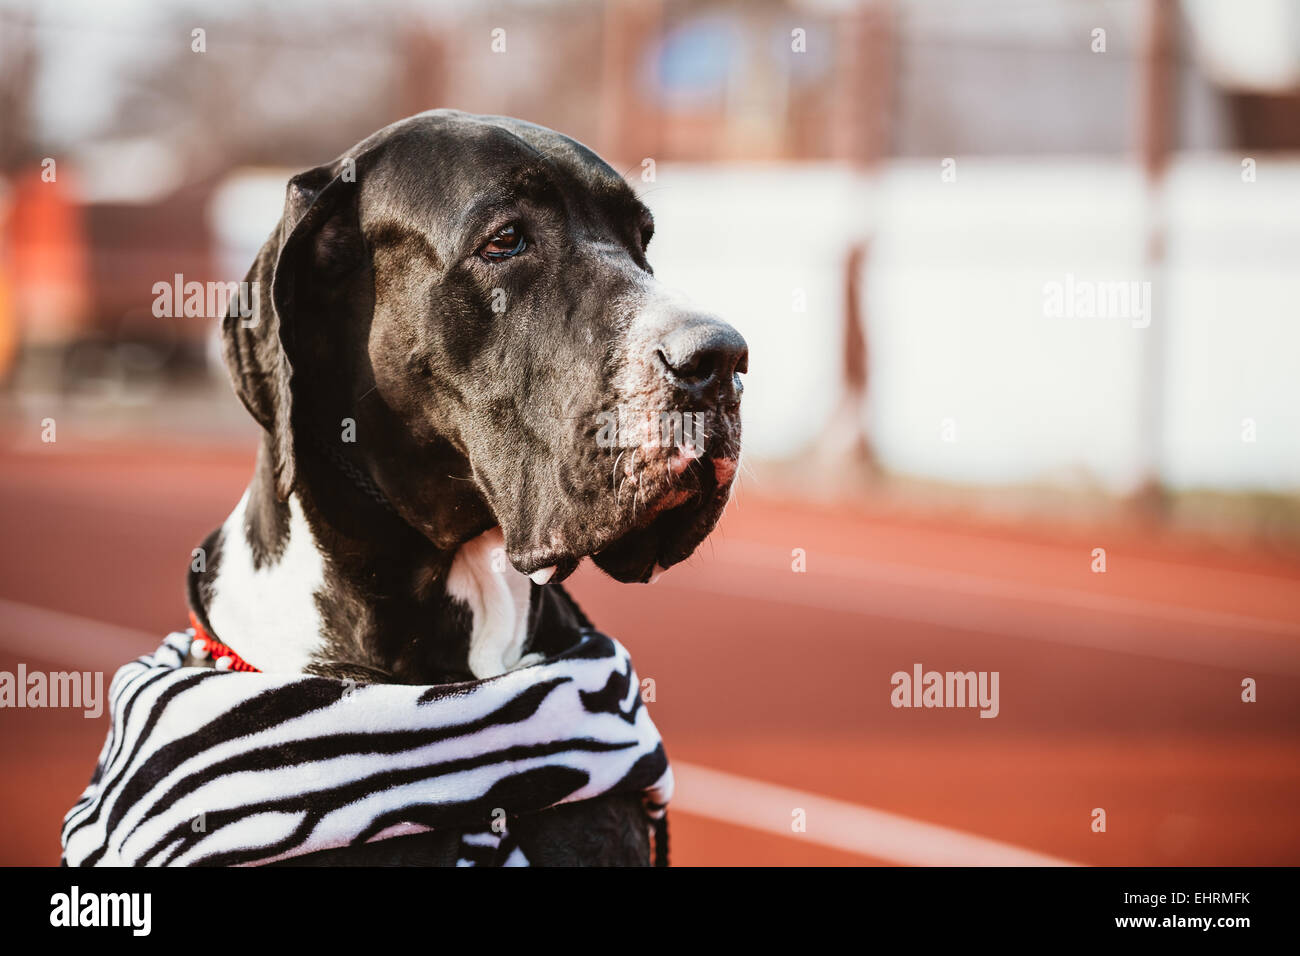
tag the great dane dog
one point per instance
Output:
(444, 320)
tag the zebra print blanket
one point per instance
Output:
(208, 767)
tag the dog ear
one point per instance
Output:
(316, 241)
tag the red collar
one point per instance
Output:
(205, 646)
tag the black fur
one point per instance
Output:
(375, 307)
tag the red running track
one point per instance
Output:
(1119, 691)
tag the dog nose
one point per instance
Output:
(703, 357)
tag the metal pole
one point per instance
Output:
(1155, 133)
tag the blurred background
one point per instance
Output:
(885, 197)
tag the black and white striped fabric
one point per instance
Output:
(209, 767)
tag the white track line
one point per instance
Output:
(62, 638)
(839, 825)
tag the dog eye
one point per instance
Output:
(508, 241)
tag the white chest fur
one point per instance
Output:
(268, 615)
(497, 596)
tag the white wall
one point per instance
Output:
(955, 312)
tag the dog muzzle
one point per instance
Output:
(207, 767)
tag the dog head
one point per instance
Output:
(473, 295)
